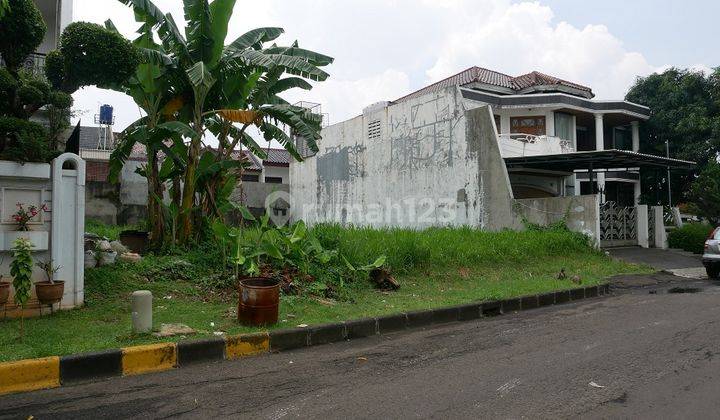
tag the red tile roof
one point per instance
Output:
(490, 77)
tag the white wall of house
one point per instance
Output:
(282, 172)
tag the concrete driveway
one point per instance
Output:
(679, 263)
(661, 361)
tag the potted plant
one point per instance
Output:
(51, 291)
(259, 297)
(21, 270)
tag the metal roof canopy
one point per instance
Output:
(597, 160)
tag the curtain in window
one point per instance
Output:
(563, 125)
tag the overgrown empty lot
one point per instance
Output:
(435, 267)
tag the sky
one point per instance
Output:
(384, 49)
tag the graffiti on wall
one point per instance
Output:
(425, 137)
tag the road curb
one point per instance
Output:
(52, 372)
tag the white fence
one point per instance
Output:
(57, 233)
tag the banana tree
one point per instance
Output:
(228, 88)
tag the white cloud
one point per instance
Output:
(523, 37)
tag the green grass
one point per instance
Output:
(436, 267)
(112, 232)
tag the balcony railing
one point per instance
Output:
(34, 63)
(521, 144)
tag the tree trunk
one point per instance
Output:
(156, 217)
(188, 197)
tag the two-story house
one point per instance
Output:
(538, 114)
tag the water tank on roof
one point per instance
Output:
(106, 114)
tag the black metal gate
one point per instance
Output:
(618, 225)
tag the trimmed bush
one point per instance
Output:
(691, 237)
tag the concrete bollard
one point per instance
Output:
(141, 303)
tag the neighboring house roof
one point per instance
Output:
(254, 162)
(277, 157)
(494, 78)
(89, 138)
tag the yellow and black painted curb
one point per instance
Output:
(52, 372)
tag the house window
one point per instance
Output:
(251, 178)
(622, 138)
(373, 129)
(563, 125)
(528, 125)
(273, 180)
(497, 122)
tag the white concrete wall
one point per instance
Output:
(580, 213)
(133, 186)
(415, 174)
(423, 170)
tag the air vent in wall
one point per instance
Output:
(373, 129)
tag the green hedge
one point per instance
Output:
(691, 237)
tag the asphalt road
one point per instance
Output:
(635, 354)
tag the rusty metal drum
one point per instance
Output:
(259, 301)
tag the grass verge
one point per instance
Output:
(436, 267)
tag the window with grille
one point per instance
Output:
(373, 129)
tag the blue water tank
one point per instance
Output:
(106, 114)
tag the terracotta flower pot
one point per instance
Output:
(4, 292)
(259, 301)
(49, 293)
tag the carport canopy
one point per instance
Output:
(596, 160)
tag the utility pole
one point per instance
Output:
(667, 154)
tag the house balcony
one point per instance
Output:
(34, 63)
(520, 144)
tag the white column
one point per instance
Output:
(660, 234)
(635, 136)
(600, 145)
(504, 124)
(68, 227)
(599, 132)
(637, 191)
(550, 124)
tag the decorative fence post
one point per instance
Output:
(68, 226)
(643, 228)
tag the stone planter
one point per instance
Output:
(90, 260)
(38, 238)
(106, 257)
(49, 293)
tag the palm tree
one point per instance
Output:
(224, 88)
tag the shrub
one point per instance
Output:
(691, 237)
(90, 54)
(23, 141)
(22, 29)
